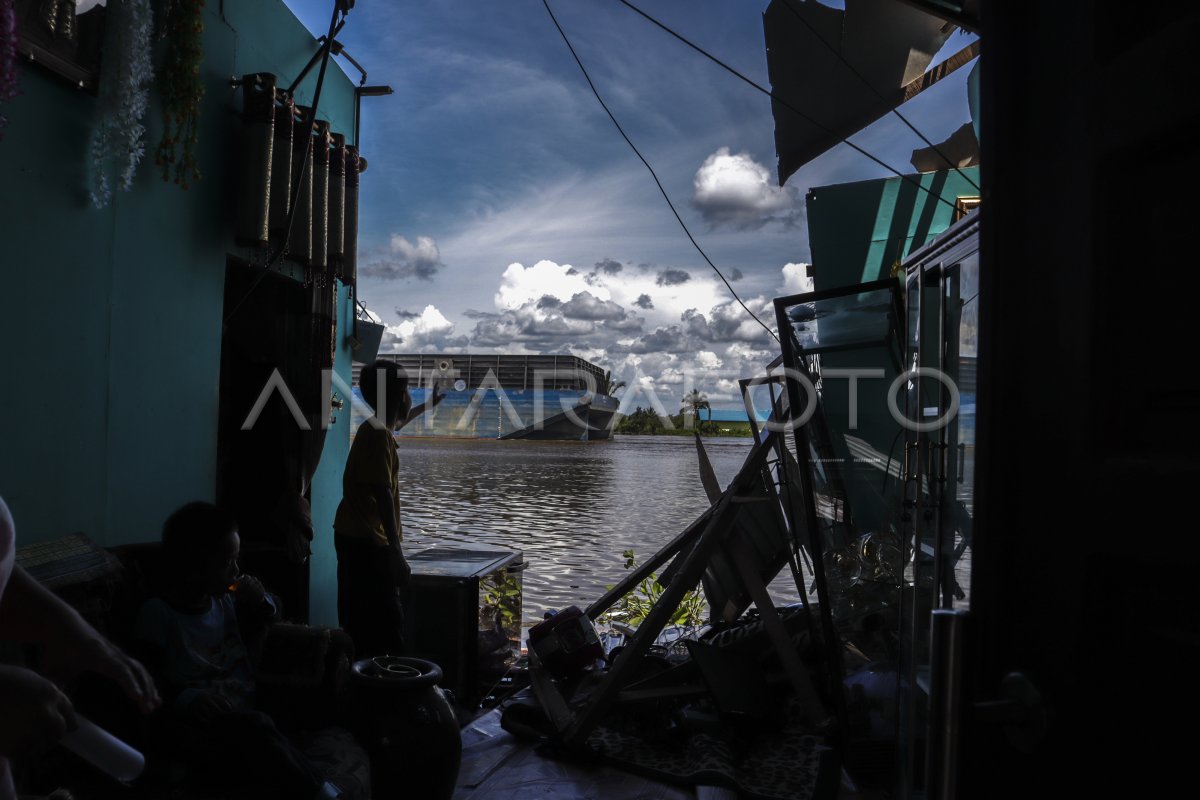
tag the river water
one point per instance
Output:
(570, 507)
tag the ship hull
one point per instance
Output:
(555, 415)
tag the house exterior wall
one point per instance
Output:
(111, 319)
(857, 231)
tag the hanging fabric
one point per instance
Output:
(337, 206)
(258, 139)
(354, 165)
(300, 240)
(281, 164)
(320, 199)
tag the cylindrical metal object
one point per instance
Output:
(254, 184)
(300, 240)
(320, 196)
(337, 206)
(281, 165)
(354, 166)
(945, 703)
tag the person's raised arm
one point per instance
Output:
(417, 411)
(29, 612)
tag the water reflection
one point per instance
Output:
(570, 507)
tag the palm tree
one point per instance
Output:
(693, 401)
(608, 385)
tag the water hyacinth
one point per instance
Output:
(8, 55)
(118, 140)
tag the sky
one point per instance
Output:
(502, 212)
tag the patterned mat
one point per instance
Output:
(790, 763)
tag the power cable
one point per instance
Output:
(653, 174)
(875, 91)
(787, 105)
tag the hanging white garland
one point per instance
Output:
(127, 72)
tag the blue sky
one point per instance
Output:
(502, 212)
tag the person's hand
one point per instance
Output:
(250, 591)
(401, 572)
(209, 705)
(80, 648)
(36, 712)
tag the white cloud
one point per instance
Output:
(736, 190)
(520, 284)
(404, 259)
(429, 330)
(796, 279)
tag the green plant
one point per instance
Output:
(182, 89)
(634, 607)
(501, 592)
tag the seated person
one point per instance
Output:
(198, 639)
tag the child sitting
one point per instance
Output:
(199, 637)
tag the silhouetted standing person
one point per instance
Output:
(372, 570)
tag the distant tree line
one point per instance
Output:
(646, 421)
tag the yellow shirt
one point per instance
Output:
(372, 462)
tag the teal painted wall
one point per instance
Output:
(857, 231)
(111, 319)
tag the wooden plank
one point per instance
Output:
(923, 82)
(718, 528)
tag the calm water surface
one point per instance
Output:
(570, 507)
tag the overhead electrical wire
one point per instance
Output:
(653, 174)
(785, 104)
(874, 90)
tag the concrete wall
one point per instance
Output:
(111, 319)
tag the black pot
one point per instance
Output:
(409, 727)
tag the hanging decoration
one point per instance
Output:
(337, 205)
(355, 164)
(8, 55)
(320, 199)
(281, 165)
(118, 140)
(181, 89)
(257, 141)
(301, 235)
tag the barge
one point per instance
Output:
(488, 396)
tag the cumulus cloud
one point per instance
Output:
(737, 191)
(585, 305)
(728, 322)
(627, 324)
(520, 284)
(796, 278)
(672, 277)
(734, 274)
(662, 340)
(404, 313)
(428, 330)
(650, 325)
(404, 259)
